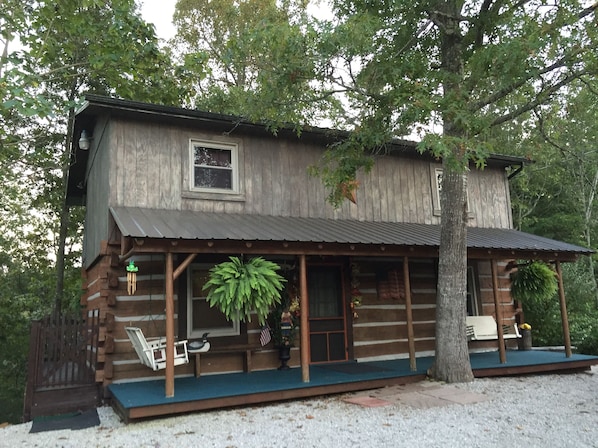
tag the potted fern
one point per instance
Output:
(238, 288)
(534, 282)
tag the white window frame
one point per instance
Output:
(233, 148)
(436, 186)
(472, 291)
(435, 179)
(234, 330)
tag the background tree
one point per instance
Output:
(66, 48)
(251, 58)
(556, 197)
(69, 48)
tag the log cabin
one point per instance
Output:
(178, 191)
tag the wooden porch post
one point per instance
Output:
(171, 275)
(564, 318)
(169, 286)
(409, 313)
(498, 312)
(304, 323)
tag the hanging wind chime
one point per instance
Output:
(132, 277)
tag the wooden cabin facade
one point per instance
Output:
(178, 191)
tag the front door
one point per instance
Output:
(327, 330)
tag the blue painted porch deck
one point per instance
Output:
(147, 399)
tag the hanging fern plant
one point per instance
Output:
(238, 288)
(535, 282)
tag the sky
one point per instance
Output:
(159, 12)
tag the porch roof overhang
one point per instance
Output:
(190, 231)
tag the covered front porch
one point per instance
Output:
(142, 399)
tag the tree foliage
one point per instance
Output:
(54, 52)
(556, 197)
(252, 58)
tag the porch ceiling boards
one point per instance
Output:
(142, 223)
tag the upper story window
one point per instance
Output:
(436, 183)
(436, 187)
(214, 167)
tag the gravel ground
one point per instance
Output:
(531, 411)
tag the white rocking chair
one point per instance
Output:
(153, 353)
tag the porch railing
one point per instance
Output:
(62, 355)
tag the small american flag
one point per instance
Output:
(265, 335)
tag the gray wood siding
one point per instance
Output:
(150, 168)
(98, 191)
(489, 198)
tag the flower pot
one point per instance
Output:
(525, 342)
(284, 354)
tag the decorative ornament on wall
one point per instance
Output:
(356, 296)
(132, 277)
(349, 190)
(391, 285)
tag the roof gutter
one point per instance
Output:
(516, 172)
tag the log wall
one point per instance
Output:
(106, 290)
(380, 331)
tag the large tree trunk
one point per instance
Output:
(60, 261)
(64, 212)
(452, 357)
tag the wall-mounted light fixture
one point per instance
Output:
(84, 141)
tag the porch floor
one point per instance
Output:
(143, 399)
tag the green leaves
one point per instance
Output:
(259, 60)
(239, 288)
(535, 282)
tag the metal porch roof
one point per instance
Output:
(189, 225)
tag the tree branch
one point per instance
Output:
(589, 86)
(420, 32)
(480, 25)
(545, 136)
(589, 10)
(511, 88)
(540, 99)
(488, 11)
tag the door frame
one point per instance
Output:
(343, 265)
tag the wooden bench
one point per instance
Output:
(483, 328)
(245, 350)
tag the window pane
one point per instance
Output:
(206, 317)
(213, 178)
(472, 299)
(213, 157)
(325, 297)
(203, 318)
(198, 279)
